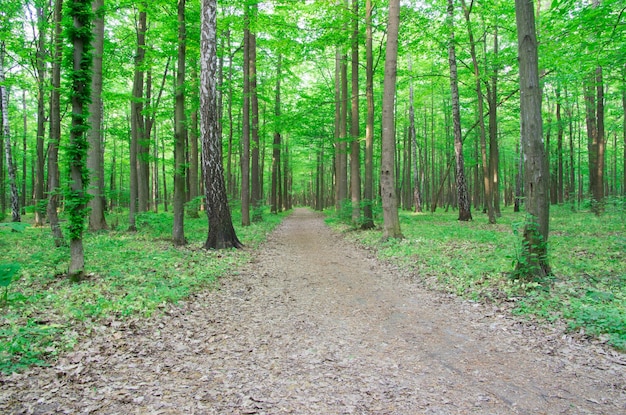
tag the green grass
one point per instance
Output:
(128, 275)
(475, 260)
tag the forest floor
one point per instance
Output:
(315, 325)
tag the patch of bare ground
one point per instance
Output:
(316, 326)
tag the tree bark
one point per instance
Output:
(221, 233)
(533, 263)
(95, 156)
(41, 117)
(368, 188)
(245, 157)
(255, 171)
(275, 207)
(465, 213)
(494, 151)
(144, 125)
(178, 229)
(6, 132)
(391, 220)
(355, 144)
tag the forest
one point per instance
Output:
(125, 126)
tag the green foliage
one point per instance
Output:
(473, 259)
(130, 275)
(531, 258)
(7, 272)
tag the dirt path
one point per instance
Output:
(315, 326)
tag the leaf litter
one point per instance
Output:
(315, 325)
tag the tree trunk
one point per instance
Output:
(368, 185)
(600, 146)
(55, 128)
(137, 119)
(94, 157)
(391, 220)
(245, 157)
(355, 144)
(255, 172)
(481, 119)
(624, 128)
(275, 207)
(41, 116)
(559, 149)
(494, 152)
(80, 96)
(465, 213)
(6, 132)
(533, 263)
(221, 232)
(178, 229)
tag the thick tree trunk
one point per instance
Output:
(391, 220)
(465, 213)
(95, 156)
(221, 232)
(41, 117)
(494, 152)
(533, 263)
(55, 128)
(178, 229)
(355, 144)
(6, 132)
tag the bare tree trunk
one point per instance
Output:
(355, 144)
(391, 220)
(481, 119)
(255, 172)
(534, 262)
(465, 213)
(55, 128)
(6, 132)
(368, 189)
(245, 157)
(275, 207)
(178, 229)
(41, 117)
(221, 232)
(494, 152)
(94, 157)
(559, 148)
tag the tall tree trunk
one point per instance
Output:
(178, 229)
(465, 213)
(137, 119)
(481, 118)
(559, 148)
(245, 157)
(355, 144)
(494, 152)
(221, 232)
(24, 155)
(534, 262)
(80, 15)
(95, 156)
(391, 220)
(41, 116)
(255, 172)
(194, 190)
(600, 145)
(624, 128)
(368, 185)
(417, 192)
(55, 128)
(275, 207)
(6, 132)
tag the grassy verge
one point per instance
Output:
(129, 275)
(474, 260)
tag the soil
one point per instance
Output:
(315, 325)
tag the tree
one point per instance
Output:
(368, 185)
(40, 71)
(95, 157)
(245, 157)
(533, 263)
(275, 191)
(6, 133)
(79, 34)
(465, 213)
(178, 230)
(255, 169)
(391, 220)
(221, 232)
(355, 143)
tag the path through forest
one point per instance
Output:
(315, 325)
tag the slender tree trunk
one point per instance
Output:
(194, 190)
(255, 172)
(275, 207)
(24, 155)
(55, 128)
(368, 188)
(534, 262)
(494, 152)
(137, 119)
(417, 192)
(355, 144)
(465, 213)
(624, 128)
(391, 220)
(481, 119)
(559, 148)
(245, 157)
(221, 232)
(94, 157)
(178, 229)
(600, 145)
(6, 132)
(41, 117)
(78, 146)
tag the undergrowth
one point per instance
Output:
(129, 274)
(476, 260)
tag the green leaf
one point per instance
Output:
(7, 271)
